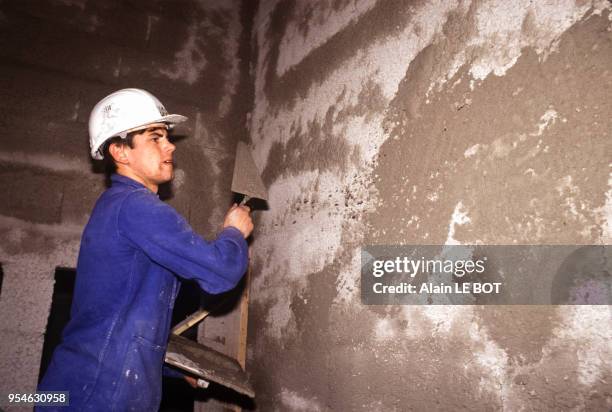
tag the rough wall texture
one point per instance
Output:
(57, 59)
(438, 122)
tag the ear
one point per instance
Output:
(119, 153)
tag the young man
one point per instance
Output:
(133, 250)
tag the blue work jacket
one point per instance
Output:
(132, 251)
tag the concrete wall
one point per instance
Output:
(437, 122)
(57, 59)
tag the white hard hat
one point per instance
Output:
(122, 112)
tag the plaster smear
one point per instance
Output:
(364, 132)
(280, 321)
(230, 38)
(377, 64)
(295, 402)
(383, 329)
(571, 192)
(179, 178)
(605, 213)
(347, 285)
(583, 332)
(472, 150)
(577, 209)
(460, 218)
(308, 238)
(547, 21)
(492, 360)
(180, 360)
(58, 163)
(548, 118)
(304, 35)
(230, 55)
(504, 28)
(444, 317)
(190, 61)
(589, 329)
(504, 145)
(17, 228)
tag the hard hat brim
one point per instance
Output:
(173, 119)
(170, 119)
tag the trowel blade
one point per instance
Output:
(246, 180)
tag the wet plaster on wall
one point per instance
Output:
(341, 367)
(311, 25)
(334, 193)
(534, 135)
(507, 155)
(322, 146)
(546, 221)
(339, 48)
(465, 143)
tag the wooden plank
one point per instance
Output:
(242, 332)
(191, 320)
(244, 320)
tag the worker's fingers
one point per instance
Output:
(240, 218)
(193, 382)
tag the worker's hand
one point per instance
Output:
(240, 218)
(193, 382)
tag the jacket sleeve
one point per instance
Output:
(167, 239)
(169, 372)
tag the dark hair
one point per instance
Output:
(109, 163)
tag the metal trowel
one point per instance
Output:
(247, 180)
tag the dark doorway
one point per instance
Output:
(1, 278)
(58, 315)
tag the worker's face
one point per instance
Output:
(150, 160)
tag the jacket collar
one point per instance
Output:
(118, 179)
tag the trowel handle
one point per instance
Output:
(245, 199)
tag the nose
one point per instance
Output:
(170, 147)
